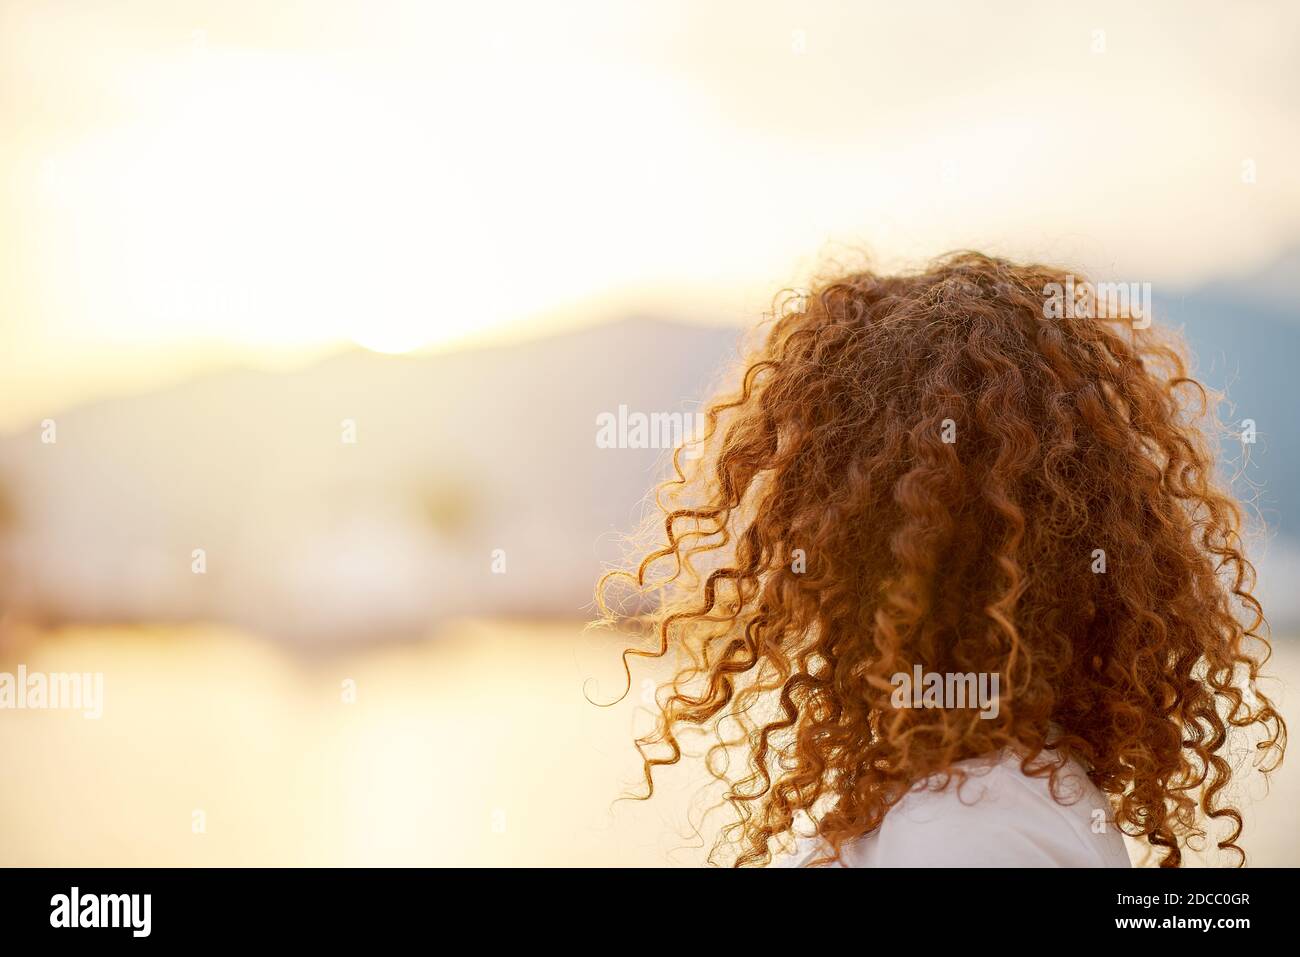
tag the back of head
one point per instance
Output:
(984, 469)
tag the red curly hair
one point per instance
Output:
(924, 469)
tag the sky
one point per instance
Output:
(188, 186)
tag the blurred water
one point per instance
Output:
(477, 747)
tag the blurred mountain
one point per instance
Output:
(1246, 340)
(309, 538)
(1245, 336)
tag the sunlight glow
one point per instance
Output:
(206, 188)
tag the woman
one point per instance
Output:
(952, 582)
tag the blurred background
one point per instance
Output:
(308, 310)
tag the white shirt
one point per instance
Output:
(1001, 818)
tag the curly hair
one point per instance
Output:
(933, 469)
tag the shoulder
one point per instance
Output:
(996, 817)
